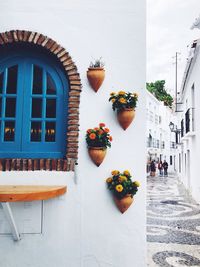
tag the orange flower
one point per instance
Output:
(106, 130)
(102, 124)
(100, 132)
(110, 138)
(92, 136)
(96, 128)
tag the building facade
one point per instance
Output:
(188, 116)
(51, 43)
(161, 143)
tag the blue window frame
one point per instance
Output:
(33, 107)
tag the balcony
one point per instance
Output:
(189, 122)
(149, 141)
(157, 143)
(162, 144)
(173, 145)
(182, 128)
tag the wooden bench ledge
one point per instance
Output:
(15, 193)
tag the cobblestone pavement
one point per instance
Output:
(173, 224)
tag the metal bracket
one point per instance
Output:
(9, 215)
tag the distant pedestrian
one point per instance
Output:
(165, 167)
(160, 167)
(153, 168)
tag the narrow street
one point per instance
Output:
(173, 224)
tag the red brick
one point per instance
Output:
(70, 67)
(14, 35)
(26, 36)
(9, 36)
(57, 50)
(36, 38)
(68, 62)
(54, 164)
(45, 41)
(20, 35)
(31, 36)
(74, 93)
(74, 77)
(73, 128)
(72, 155)
(49, 44)
(4, 37)
(41, 39)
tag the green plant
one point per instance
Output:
(98, 63)
(120, 184)
(99, 137)
(122, 100)
(158, 90)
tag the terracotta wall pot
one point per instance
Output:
(97, 154)
(125, 117)
(124, 203)
(95, 77)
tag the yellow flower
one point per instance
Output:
(122, 100)
(135, 94)
(122, 178)
(121, 93)
(113, 100)
(109, 180)
(136, 183)
(119, 188)
(112, 93)
(115, 172)
(127, 173)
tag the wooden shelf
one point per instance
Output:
(15, 193)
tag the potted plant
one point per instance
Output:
(96, 74)
(123, 188)
(98, 139)
(125, 104)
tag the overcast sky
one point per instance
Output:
(168, 31)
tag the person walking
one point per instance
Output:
(165, 167)
(160, 167)
(153, 168)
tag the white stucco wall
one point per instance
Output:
(190, 147)
(84, 228)
(160, 130)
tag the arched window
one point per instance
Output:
(33, 105)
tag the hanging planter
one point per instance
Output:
(125, 116)
(124, 203)
(97, 154)
(98, 139)
(125, 104)
(123, 189)
(96, 74)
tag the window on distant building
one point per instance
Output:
(171, 160)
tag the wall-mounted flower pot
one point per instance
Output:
(97, 154)
(124, 203)
(96, 77)
(125, 117)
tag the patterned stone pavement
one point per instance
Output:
(173, 224)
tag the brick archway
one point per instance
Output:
(70, 70)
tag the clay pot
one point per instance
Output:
(97, 154)
(95, 77)
(124, 203)
(125, 117)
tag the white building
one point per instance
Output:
(161, 143)
(83, 227)
(188, 115)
